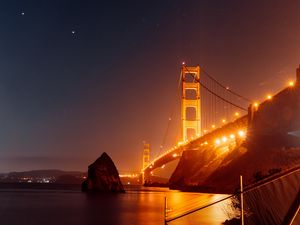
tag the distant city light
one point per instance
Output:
(218, 141)
(183, 63)
(175, 155)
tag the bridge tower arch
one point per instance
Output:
(190, 84)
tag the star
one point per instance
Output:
(73, 31)
(22, 13)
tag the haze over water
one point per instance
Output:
(62, 207)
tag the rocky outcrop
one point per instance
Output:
(272, 144)
(103, 176)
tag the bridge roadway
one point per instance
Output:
(231, 130)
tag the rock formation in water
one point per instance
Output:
(103, 176)
(272, 144)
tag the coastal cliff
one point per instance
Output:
(272, 144)
(103, 176)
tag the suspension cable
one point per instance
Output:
(226, 88)
(223, 99)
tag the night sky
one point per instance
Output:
(81, 77)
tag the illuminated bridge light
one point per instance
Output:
(291, 83)
(237, 114)
(269, 97)
(218, 141)
(213, 126)
(223, 121)
(180, 143)
(204, 131)
(174, 155)
(206, 143)
(255, 104)
(232, 136)
(241, 133)
(224, 139)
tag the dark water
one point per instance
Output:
(142, 206)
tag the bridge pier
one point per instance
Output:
(146, 177)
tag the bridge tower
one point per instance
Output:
(190, 80)
(146, 162)
(146, 155)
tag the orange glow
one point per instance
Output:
(237, 114)
(232, 136)
(224, 139)
(223, 121)
(163, 166)
(213, 126)
(241, 133)
(180, 143)
(206, 143)
(255, 104)
(291, 83)
(269, 97)
(175, 155)
(218, 141)
(204, 131)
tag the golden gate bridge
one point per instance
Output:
(208, 109)
(212, 114)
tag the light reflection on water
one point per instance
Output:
(143, 206)
(179, 202)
